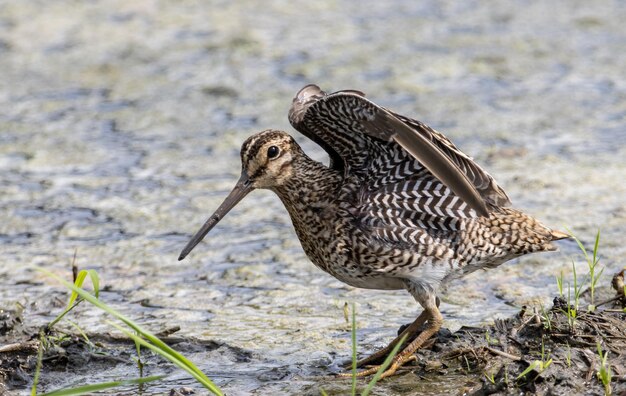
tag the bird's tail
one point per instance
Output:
(556, 235)
(524, 234)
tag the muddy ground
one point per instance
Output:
(539, 351)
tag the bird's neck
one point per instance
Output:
(311, 186)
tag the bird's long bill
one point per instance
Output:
(241, 189)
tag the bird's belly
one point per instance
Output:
(377, 283)
(333, 259)
(331, 246)
(350, 274)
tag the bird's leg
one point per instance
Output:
(379, 356)
(434, 320)
(409, 331)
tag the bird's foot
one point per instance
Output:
(374, 359)
(379, 357)
(431, 315)
(396, 363)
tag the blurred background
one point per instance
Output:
(121, 124)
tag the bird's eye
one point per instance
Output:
(272, 152)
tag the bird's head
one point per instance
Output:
(266, 158)
(266, 162)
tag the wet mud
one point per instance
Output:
(539, 350)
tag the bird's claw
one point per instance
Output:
(397, 362)
(365, 362)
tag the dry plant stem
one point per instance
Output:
(74, 267)
(577, 335)
(503, 354)
(610, 300)
(460, 352)
(526, 322)
(20, 346)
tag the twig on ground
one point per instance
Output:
(20, 347)
(502, 353)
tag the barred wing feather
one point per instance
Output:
(367, 140)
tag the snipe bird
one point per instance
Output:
(398, 207)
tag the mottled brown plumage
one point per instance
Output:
(399, 207)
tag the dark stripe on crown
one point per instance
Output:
(251, 147)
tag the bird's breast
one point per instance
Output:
(333, 242)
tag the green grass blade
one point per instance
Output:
(189, 366)
(578, 286)
(80, 279)
(595, 248)
(530, 368)
(559, 284)
(95, 281)
(383, 367)
(579, 243)
(155, 349)
(82, 333)
(33, 390)
(599, 349)
(597, 277)
(323, 392)
(81, 390)
(353, 350)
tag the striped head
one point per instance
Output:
(267, 157)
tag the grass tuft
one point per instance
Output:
(604, 373)
(539, 365)
(559, 284)
(594, 272)
(141, 337)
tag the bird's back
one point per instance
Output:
(411, 205)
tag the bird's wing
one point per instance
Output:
(358, 134)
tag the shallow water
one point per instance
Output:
(120, 128)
